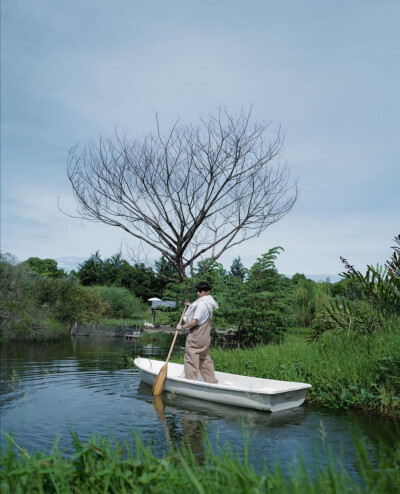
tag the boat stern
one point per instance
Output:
(288, 399)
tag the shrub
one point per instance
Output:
(308, 299)
(70, 302)
(21, 315)
(23, 312)
(119, 302)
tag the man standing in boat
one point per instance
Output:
(198, 320)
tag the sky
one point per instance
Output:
(326, 71)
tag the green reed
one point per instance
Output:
(98, 466)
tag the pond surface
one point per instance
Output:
(49, 388)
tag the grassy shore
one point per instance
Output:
(162, 317)
(99, 467)
(346, 372)
(359, 373)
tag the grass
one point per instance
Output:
(100, 467)
(109, 321)
(138, 319)
(361, 373)
(346, 372)
(358, 373)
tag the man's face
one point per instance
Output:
(202, 293)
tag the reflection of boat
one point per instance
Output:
(205, 411)
(232, 389)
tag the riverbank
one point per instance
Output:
(98, 466)
(357, 373)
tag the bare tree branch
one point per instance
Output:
(192, 191)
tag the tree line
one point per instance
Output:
(259, 303)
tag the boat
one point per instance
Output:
(232, 389)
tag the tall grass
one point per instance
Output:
(355, 372)
(100, 467)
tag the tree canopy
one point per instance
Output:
(45, 267)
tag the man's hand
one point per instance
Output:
(179, 327)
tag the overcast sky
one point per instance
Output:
(327, 71)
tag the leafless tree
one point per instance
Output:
(195, 191)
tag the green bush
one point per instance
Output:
(21, 314)
(119, 302)
(69, 302)
(45, 267)
(308, 298)
(34, 306)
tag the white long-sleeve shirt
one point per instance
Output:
(201, 309)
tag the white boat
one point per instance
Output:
(242, 391)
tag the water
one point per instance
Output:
(49, 388)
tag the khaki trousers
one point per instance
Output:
(196, 354)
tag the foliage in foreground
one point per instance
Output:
(98, 467)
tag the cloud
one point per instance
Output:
(34, 226)
(327, 72)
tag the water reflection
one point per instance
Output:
(185, 420)
(192, 430)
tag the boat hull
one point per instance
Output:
(242, 391)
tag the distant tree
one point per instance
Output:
(209, 267)
(193, 191)
(298, 278)
(263, 275)
(257, 306)
(165, 271)
(237, 269)
(141, 281)
(91, 271)
(45, 267)
(112, 269)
